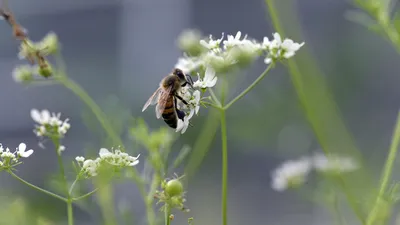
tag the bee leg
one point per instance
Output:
(181, 115)
(183, 100)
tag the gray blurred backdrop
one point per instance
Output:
(121, 49)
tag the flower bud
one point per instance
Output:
(189, 42)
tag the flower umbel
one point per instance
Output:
(115, 159)
(10, 159)
(49, 125)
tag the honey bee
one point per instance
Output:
(166, 97)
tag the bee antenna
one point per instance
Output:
(190, 81)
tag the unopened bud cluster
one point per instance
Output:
(222, 55)
(36, 54)
(172, 194)
(10, 159)
(115, 159)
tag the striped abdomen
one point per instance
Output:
(169, 113)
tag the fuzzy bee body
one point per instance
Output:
(166, 98)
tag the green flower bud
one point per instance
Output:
(23, 73)
(45, 70)
(174, 188)
(49, 44)
(189, 42)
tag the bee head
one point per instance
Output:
(177, 72)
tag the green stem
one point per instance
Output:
(85, 195)
(56, 142)
(224, 167)
(387, 171)
(101, 117)
(72, 186)
(249, 87)
(212, 105)
(36, 187)
(151, 217)
(214, 97)
(70, 212)
(167, 212)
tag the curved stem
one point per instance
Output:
(224, 140)
(214, 97)
(85, 195)
(36, 187)
(76, 89)
(249, 87)
(387, 172)
(72, 186)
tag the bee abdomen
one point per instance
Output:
(170, 119)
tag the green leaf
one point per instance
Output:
(363, 19)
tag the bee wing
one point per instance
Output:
(163, 101)
(153, 99)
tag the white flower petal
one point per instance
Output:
(104, 153)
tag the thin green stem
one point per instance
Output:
(85, 195)
(249, 87)
(72, 186)
(36, 187)
(224, 167)
(167, 212)
(57, 145)
(101, 117)
(212, 105)
(214, 97)
(387, 171)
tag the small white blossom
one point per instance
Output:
(213, 45)
(209, 80)
(266, 43)
(182, 125)
(334, 163)
(233, 41)
(80, 159)
(188, 64)
(291, 174)
(21, 151)
(42, 117)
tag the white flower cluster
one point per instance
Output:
(49, 124)
(293, 173)
(116, 159)
(193, 107)
(10, 159)
(235, 51)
